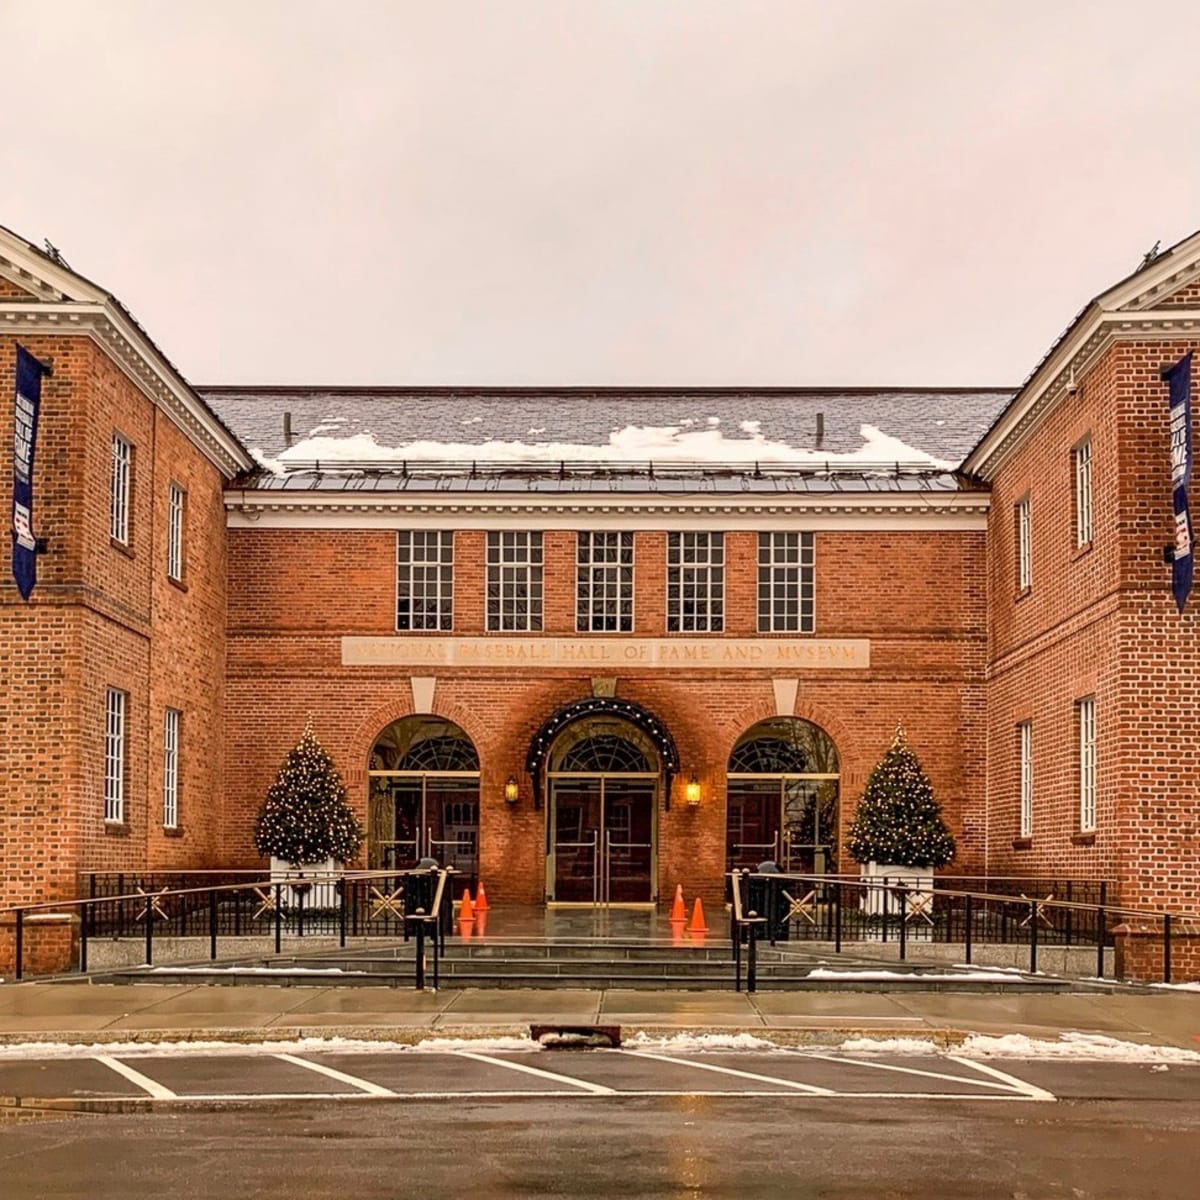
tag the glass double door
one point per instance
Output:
(788, 821)
(433, 818)
(602, 840)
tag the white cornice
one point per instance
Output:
(1066, 367)
(338, 510)
(132, 351)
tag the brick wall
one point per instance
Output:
(102, 616)
(294, 593)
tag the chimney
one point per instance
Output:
(820, 428)
(287, 430)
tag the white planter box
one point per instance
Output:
(322, 877)
(918, 881)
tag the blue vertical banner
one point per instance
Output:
(25, 424)
(1179, 381)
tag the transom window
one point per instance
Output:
(1083, 493)
(1025, 730)
(114, 755)
(604, 582)
(1024, 544)
(171, 725)
(122, 461)
(443, 752)
(695, 582)
(1087, 765)
(424, 579)
(514, 582)
(785, 583)
(176, 504)
(605, 753)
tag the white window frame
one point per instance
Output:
(1024, 544)
(1087, 765)
(1025, 734)
(786, 573)
(424, 576)
(696, 575)
(176, 508)
(1082, 458)
(604, 582)
(515, 565)
(122, 465)
(172, 725)
(116, 704)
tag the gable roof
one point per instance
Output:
(370, 428)
(1122, 310)
(60, 300)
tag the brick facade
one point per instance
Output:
(248, 645)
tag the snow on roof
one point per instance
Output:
(844, 428)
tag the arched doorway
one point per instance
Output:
(424, 797)
(782, 788)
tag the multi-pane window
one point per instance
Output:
(514, 582)
(1026, 733)
(1087, 765)
(604, 582)
(122, 461)
(176, 506)
(1083, 493)
(114, 755)
(171, 769)
(1024, 544)
(785, 583)
(695, 582)
(424, 580)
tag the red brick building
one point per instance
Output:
(589, 643)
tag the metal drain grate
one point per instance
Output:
(576, 1037)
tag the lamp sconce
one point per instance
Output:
(692, 793)
(511, 791)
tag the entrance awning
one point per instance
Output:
(608, 706)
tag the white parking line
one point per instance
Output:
(880, 1066)
(586, 1085)
(1026, 1089)
(810, 1088)
(365, 1085)
(143, 1081)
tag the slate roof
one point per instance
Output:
(942, 423)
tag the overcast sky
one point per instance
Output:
(613, 192)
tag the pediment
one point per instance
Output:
(28, 274)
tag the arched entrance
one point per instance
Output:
(782, 788)
(605, 762)
(424, 797)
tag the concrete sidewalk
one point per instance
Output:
(88, 1012)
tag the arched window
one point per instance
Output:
(445, 752)
(604, 754)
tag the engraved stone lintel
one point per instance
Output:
(626, 655)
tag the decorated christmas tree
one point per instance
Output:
(305, 817)
(898, 821)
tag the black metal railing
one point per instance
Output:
(397, 904)
(1031, 913)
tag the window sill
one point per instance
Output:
(116, 829)
(1081, 551)
(177, 583)
(1083, 839)
(173, 831)
(122, 547)
(1022, 843)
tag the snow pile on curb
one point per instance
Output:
(900, 1045)
(956, 976)
(249, 971)
(1070, 1047)
(681, 1043)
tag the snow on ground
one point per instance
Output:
(1070, 1047)
(633, 443)
(996, 976)
(250, 971)
(1178, 987)
(901, 1045)
(680, 1043)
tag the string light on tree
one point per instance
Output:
(898, 820)
(305, 817)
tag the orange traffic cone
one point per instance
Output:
(698, 925)
(481, 903)
(679, 909)
(466, 910)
